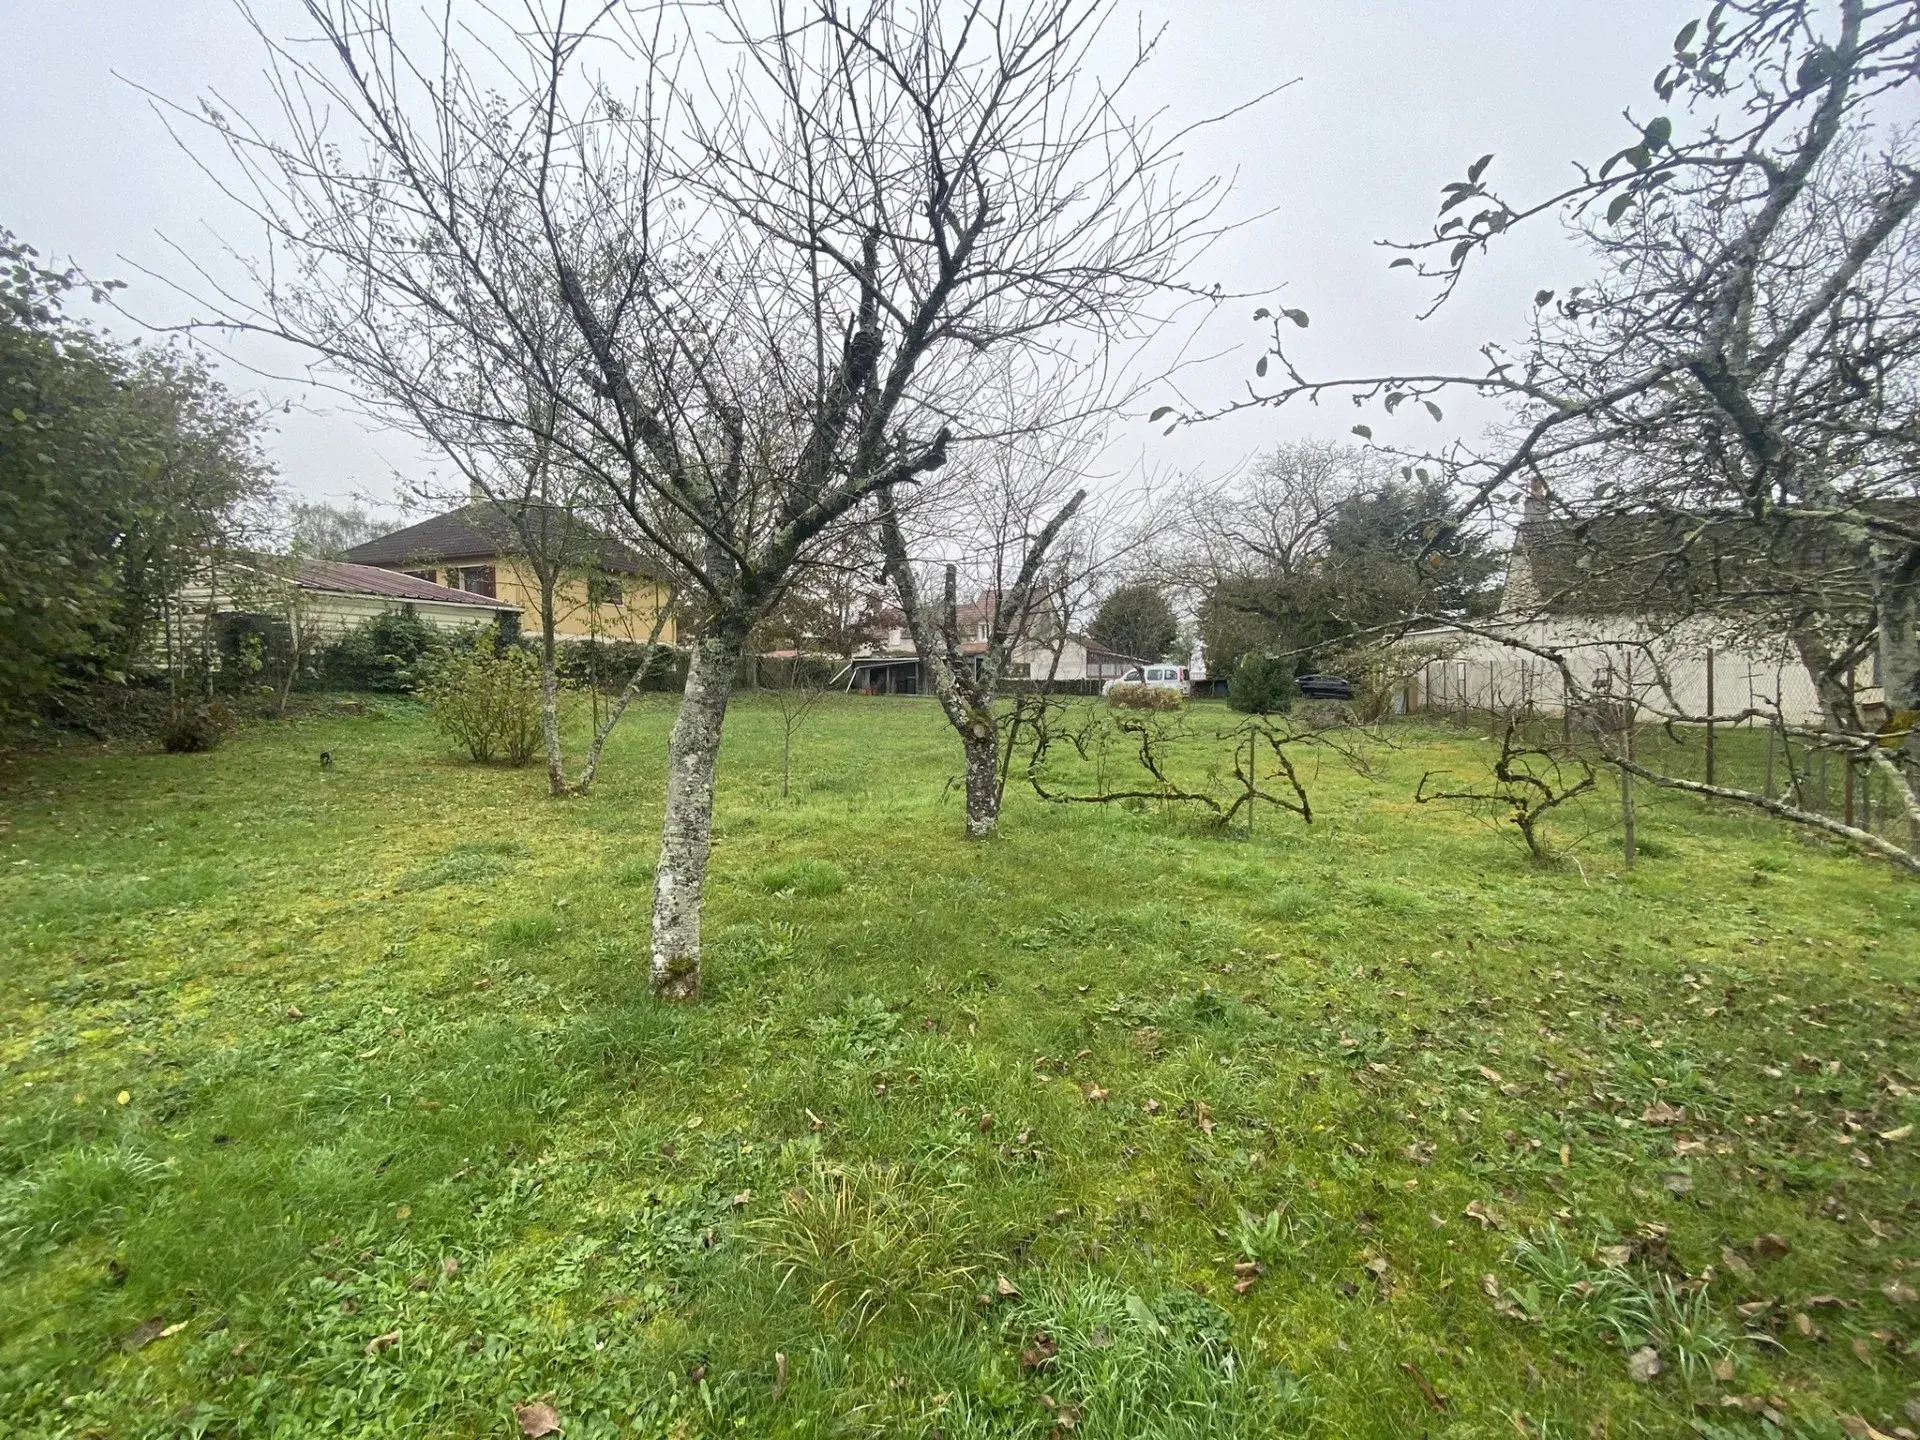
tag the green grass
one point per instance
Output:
(965, 1140)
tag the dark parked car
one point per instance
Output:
(1325, 687)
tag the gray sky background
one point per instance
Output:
(1394, 100)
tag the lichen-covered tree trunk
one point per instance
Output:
(680, 877)
(550, 694)
(979, 739)
(1896, 573)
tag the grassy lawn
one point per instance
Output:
(333, 1104)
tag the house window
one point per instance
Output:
(430, 576)
(478, 580)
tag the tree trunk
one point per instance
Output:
(1896, 575)
(979, 739)
(550, 695)
(680, 877)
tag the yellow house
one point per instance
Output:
(606, 593)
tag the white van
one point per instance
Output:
(1159, 677)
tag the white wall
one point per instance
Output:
(1665, 671)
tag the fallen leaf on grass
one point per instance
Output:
(1488, 1217)
(1435, 1400)
(1735, 1261)
(986, 1121)
(1490, 1074)
(1095, 1094)
(1614, 1257)
(537, 1419)
(383, 1342)
(144, 1333)
(1899, 1292)
(1661, 1113)
(1203, 1117)
(1153, 1107)
(1643, 1365)
(1041, 1354)
(1859, 1429)
(1899, 1132)
(1771, 1247)
(1677, 1182)
(1005, 1288)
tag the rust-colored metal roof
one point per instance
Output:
(368, 580)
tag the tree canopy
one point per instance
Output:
(124, 471)
(1136, 620)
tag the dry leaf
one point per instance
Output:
(1005, 1288)
(1203, 1117)
(1153, 1107)
(1643, 1365)
(779, 1372)
(1661, 1113)
(1899, 1292)
(1859, 1429)
(1488, 1217)
(1614, 1257)
(1723, 1369)
(1095, 1094)
(1771, 1247)
(1677, 1182)
(537, 1419)
(383, 1342)
(1244, 1284)
(1735, 1261)
(986, 1121)
(1041, 1354)
(143, 1333)
(1435, 1400)
(1900, 1132)
(1487, 1073)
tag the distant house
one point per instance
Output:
(1640, 606)
(893, 668)
(336, 596)
(471, 550)
(322, 599)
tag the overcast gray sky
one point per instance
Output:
(1395, 98)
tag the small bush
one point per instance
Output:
(1262, 685)
(194, 728)
(488, 700)
(609, 664)
(1145, 697)
(388, 652)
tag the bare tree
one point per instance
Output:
(1724, 421)
(774, 278)
(1002, 516)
